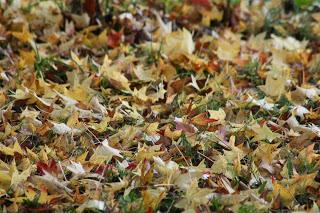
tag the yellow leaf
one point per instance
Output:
(10, 151)
(114, 75)
(178, 43)
(148, 153)
(286, 194)
(7, 150)
(151, 128)
(78, 93)
(30, 193)
(82, 158)
(26, 58)
(2, 98)
(76, 59)
(264, 133)
(218, 115)
(24, 36)
(227, 51)
(146, 74)
(209, 15)
(5, 180)
(276, 82)
(17, 177)
(104, 153)
(102, 125)
(17, 148)
(174, 135)
(194, 197)
(266, 152)
(152, 197)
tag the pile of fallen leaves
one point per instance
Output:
(159, 106)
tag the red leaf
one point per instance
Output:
(114, 38)
(90, 6)
(202, 3)
(51, 167)
(132, 165)
(150, 210)
(101, 170)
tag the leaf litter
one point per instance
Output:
(159, 106)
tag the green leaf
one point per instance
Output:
(303, 3)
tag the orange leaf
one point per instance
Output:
(202, 119)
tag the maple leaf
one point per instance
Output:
(152, 197)
(202, 119)
(227, 51)
(194, 197)
(104, 153)
(113, 74)
(51, 167)
(276, 82)
(11, 151)
(178, 43)
(264, 133)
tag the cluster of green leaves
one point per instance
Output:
(131, 203)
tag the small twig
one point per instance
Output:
(85, 126)
(182, 155)
(164, 184)
(65, 178)
(205, 156)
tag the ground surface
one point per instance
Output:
(168, 106)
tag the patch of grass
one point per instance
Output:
(184, 72)
(302, 4)
(48, 67)
(284, 102)
(215, 102)
(312, 104)
(247, 209)
(304, 199)
(69, 209)
(153, 56)
(170, 4)
(167, 204)
(42, 65)
(32, 203)
(250, 72)
(272, 19)
(307, 168)
(290, 167)
(215, 204)
(189, 151)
